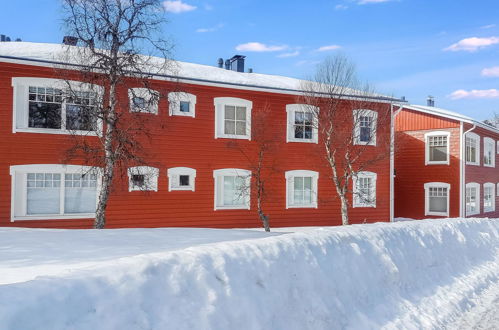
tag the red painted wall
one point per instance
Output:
(189, 142)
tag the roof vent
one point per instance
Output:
(430, 101)
(70, 40)
(4, 38)
(237, 63)
(221, 63)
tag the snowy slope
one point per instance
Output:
(411, 275)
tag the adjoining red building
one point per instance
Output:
(197, 176)
(445, 165)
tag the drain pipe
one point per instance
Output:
(462, 176)
(392, 158)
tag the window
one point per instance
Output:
(44, 105)
(365, 126)
(489, 152)
(302, 123)
(143, 178)
(53, 192)
(301, 188)
(143, 100)
(437, 148)
(472, 149)
(472, 198)
(364, 189)
(181, 178)
(232, 118)
(437, 198)
(182, 104)
(232, 188)
(489, 197)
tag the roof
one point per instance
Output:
(45, 54)
(450, 115)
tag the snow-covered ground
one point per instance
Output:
(410, 274)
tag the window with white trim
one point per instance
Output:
(472, 198)
(232, 118)
(365, 126)
(143, 178)
(437, 198)
(489, 152)
(437, 148)
(182, 104)
(364, 189)
(143, 100)
(301, 189)
(232, 188)
(53, 191)
(472, 149)
(489, 197)
(181, 178)
(302, 123)
(43, 105)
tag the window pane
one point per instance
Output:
(43, 194)
(139, 102)
(80, 200)
(80, 118)
(298, 132)
(298, 197)
(185, 106)
(230, 112)
(438, 154)
(230, 127)
(241, 128)
(138, 180)
(308, 132)
(44, 115)
(184, 180)
(299, 118)
(241, 113)
(365, 134)
(438, 204)
(298, 183)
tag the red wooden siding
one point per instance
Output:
(188, 142)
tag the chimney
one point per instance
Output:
(430, 101)
(221, 63)
(237, 63)
(70, 40)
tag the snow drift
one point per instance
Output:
(419, 274)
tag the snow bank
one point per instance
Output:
(419, 274)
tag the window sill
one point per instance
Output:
(302, 141)
(54, 131)
(438, 214)
(143, 190)
(235, 207)
(473, 164)
(359, 143)
(54, 217)
(227, 136)
(310, 206)
(470, 214)
(491, 165)
(437, 163)
(183, 114)
(488, 210)
(182, 189)
(364, 205)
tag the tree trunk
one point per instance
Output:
(344, 210)
(265, 220)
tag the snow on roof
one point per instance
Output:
(50, 53)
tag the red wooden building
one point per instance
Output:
(197, 174)
(445, 165)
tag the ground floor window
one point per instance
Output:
(437, 198)
(489, 197)
(232, 188)
(53, 192)
(364, 189)
(301, 187)
(472, 198)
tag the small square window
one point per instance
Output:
(184, 180)
(185, 106)
(138, 180)
(181, 178)
(139, 102)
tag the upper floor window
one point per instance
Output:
(143, 100)
(472, 149)
(365, 126)
(472, 198)
(143, 178)
(181, 178)
(232, 188)
(437, 147)
(437, 198)
(364, 189)
(489, 197)
(182, 104)
(301, 189)
(53, 192)
(232, 118)
(489, 152)
(54, 106)
(302, 123)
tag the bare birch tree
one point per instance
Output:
(116, 41)
(351, 128)
(494, 121)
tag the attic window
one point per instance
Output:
(182, 104)
(181, 178)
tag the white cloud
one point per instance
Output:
(177, 6)
(472, 44)
(340, 7)
(491, 72)
(292, 54)
(210, 29)
(365, 2)
(328, 48)
(475, 94)
(259, 47)
(490, 26)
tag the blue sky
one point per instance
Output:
(412, 48)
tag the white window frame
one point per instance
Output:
(151, 175)
(19, 189)
(493, 196)
(427, 147)
(21, 104)
(364, 113)
(497, 190)
(174, 174)
(290, 176)
(174, 99)
(489, 145)
(291, 109)
(357, 200)
(475, 137)
(427, 187)
(150, 96)
(220, 103)
(218, 175)
(478, 201)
